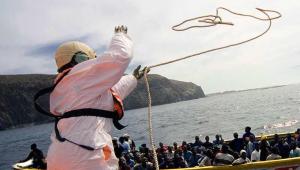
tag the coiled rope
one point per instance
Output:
(210, 20)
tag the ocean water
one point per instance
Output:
(270, 110)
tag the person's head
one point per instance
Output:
(72, 53)
(256, 146)
(115, 140)
(161, 145)
(207, 138)
(247, 129)
(252, 138)
(276, 137)
(33, 146)
(243, 154)
(224, 148)
(126, 137)
(236, 135)
(197, 138)
(184, 148)
(175, 145)
(121, 139)
(184, 143)
(235, 154)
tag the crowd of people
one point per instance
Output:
(239, 150)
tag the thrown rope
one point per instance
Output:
(210, 20)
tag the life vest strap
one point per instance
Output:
(44, 91)
(96, 113)
(86, 112)
(74, 113)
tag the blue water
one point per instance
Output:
(267, 111)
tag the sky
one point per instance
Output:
(31, 30)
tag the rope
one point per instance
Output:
(210, 20)
(150, 120)
(215, 22)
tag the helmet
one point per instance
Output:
(66, 51)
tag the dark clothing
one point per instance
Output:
(237, 144)
(284, 150)
(118, 150)
(147, 166)
(264, 152)
(197, 144)
(193, 161)
(38, 158)
(207, 145)
(248, 134)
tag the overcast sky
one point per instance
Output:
(31, 31)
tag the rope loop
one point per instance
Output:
(209, 20)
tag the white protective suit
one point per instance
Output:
(88, 85)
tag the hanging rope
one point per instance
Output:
(209, 20)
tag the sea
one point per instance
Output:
(266, 111)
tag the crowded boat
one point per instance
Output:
(240, 150)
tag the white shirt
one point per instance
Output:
(223, 159)
(255, 156)
(240, 161)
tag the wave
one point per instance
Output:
(280, 125)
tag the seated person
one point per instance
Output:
(37, 156)
(145, 164)
(243, 158)
(218, 142)
(223, 158)
(295, 151)
(274, 154)
(255, 155)
(207, 159)
(207, 144)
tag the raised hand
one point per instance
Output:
(121, 28)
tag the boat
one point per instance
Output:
(281, 164)
(24, 166)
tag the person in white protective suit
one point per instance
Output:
(89, 85)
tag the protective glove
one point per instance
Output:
(139, 74)
(121, 28)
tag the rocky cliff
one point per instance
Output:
(16, 94)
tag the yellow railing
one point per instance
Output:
(255, 165)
